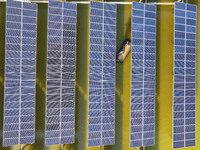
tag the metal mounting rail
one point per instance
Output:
(88, 2)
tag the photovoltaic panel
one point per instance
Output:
(101, 113)
(61, 58)
(20, 68)
(142, 129)
(95, 74)
(108, 101)
(184, 93)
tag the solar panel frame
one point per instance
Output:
(100, 119)
(21, 128)
(61, 90)
(184, 90)
(142, 129)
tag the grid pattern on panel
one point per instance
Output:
(20, 65)
(108, 95)
(143, 75)
(68, 73)
(184, 76)
(61, 58)
(101, 74)
(95, 73)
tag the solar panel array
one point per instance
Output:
(142, 130)
(61, 59)
(101, 124)
(20, 65)
(184, 124)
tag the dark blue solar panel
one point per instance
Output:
(20, 65)
(184, 76)
(143, 75)
(101, 117)
(61, 59)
